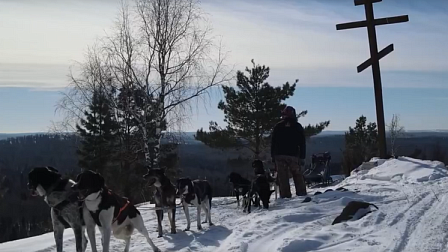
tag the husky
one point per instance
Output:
(66, 209)
(164, 196)
(197, 193)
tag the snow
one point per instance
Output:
(410, 193)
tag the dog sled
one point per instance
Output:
(319, 171)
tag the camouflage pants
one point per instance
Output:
(286, 165)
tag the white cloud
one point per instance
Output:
(303, 39)
(297, 40)
(39, 76)
(51, 32)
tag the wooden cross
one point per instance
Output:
(375, 56)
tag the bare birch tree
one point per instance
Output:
(163, 49)
(395, 131)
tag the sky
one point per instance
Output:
(296, 39)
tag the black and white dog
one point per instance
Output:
(241, 186)
(108, 211)
(66, 209)
(164, 196)
(197, 193)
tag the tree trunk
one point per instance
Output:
(146, 140)
(159, 120)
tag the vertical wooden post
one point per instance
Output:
(382, 144)
(375, 56)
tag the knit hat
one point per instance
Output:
(289, 112)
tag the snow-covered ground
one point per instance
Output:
(412, 216)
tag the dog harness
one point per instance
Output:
(121, 208)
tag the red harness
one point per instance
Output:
(121, 209)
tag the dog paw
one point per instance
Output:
(159, 236)
(199, 227)
(173, 231)
(187, 229)
(204, 222)
(211, 224)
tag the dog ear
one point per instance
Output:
(51, 168)
(54, 171)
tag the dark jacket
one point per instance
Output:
(288, 138)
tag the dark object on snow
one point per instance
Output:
(350, 210)
(328, 190)
(307, 199)
(241, 186)
(317, 193)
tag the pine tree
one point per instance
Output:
(360, 144)
(251, 111)
(99, 134)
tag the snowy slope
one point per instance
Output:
(410, 193)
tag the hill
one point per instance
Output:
(19, 155)
(410, 193)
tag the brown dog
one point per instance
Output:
(350, 210)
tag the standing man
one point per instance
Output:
(288, 150)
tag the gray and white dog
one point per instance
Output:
(164, 196)
(197, 193)
(66, 209)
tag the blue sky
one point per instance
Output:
(297, 39)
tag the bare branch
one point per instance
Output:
(395, 131)
(162, 48)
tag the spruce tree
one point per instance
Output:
(251, 110)
(99, 134)
(360, 144)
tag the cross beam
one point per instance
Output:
(379, 21)
(381, 55)
(375, 56)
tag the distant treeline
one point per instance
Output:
(23, 216)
